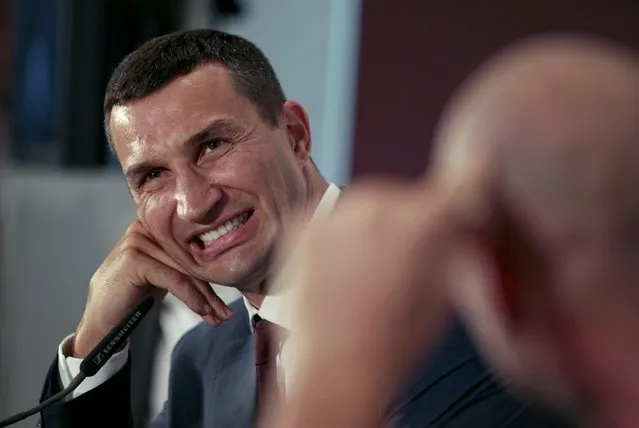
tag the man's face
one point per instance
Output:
(212, 181)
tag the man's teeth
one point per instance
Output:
(211, 236)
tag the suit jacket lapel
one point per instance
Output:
(232, 394)
(144, 342)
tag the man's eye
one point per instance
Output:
(152, 175)
(212, 145)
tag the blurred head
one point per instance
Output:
(215, 157)
(550, 287)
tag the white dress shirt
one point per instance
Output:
(271, 310)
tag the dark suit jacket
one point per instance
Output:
(142, 351)
(212, 384)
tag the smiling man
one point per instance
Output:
(218, 163)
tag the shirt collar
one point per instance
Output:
(252, 310)
(271, 308)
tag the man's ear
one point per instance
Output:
(514, 264)
(507, 288)
(298, 129)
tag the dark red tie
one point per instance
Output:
(267, 346)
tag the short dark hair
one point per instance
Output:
(159, 61)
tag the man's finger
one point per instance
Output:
(220, 309)
(153, 250)
(193, 293)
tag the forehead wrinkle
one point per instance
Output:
(165, 120)
(145, 148)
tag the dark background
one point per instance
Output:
(412, 57)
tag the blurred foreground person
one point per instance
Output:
(549, 289)
(529, 216)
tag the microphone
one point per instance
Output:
(94, 361)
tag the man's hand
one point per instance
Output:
(135, 268)
(369, 296)
(369, 283)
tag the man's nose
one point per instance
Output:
(196, 197)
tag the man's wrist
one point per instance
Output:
(83, 343)
(67, 347)
(76, 347)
